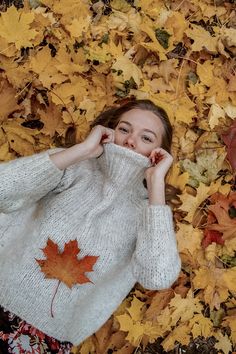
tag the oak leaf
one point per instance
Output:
(65, 266)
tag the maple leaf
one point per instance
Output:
(205, 170)
(226, 224)
(212, 236)
(78, 27)
(221, 210)
(15, 27)
(65, 266)
(202, 39)
(191, 203)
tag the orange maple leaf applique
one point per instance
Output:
(65, 266)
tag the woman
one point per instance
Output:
(93, 192)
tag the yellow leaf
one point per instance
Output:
(218, 90)
(120, 5)
(216, 283)
(184, 110)
(201, 326)
(202, 39)
(180, 334)
(217, 186)
(153, 331)
(224, 343)
(135, 329)
(176, 178)
(5, 155)
(128, 69)
(8, 50)
(45, 66)
(15, 27)
(198, 90)
(66, 92)
(190, 203)
(229, 277)
(178, 24)
(95, 52)
(231, 322)
(205, 72)
(188, 238)
(78, 27)
(135, 309)
(230, 110)
(215, 113)
(183, 309)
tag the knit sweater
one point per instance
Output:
(103, 204)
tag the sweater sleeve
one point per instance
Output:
(27, 179)
(155, 262)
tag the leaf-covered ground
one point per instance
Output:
(63, 62)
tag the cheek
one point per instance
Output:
(117, 137)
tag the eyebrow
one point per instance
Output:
(146, 130)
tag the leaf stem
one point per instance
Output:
(54, 296)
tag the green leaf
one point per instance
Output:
(163, 37)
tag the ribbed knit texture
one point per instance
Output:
(102, 203)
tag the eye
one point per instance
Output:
(122, 129)
(146, 138)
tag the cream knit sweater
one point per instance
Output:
(103, 204)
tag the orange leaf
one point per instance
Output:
(225, 223)
(65, 266)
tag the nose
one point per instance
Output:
(129, 142)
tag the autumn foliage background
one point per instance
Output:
(63, 62)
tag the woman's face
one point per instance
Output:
(140, 131)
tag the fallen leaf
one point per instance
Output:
(15, 27)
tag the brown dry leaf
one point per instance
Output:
(159, 302)
(8, 100)
(102, 336)
(52, 120)
(226, 224)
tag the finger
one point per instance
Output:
(108, 136)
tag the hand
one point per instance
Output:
(161, 162)
(98, 136)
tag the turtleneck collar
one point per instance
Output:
(124, 168)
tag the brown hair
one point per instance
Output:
(110, 118)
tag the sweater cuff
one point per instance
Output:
(159, 218)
